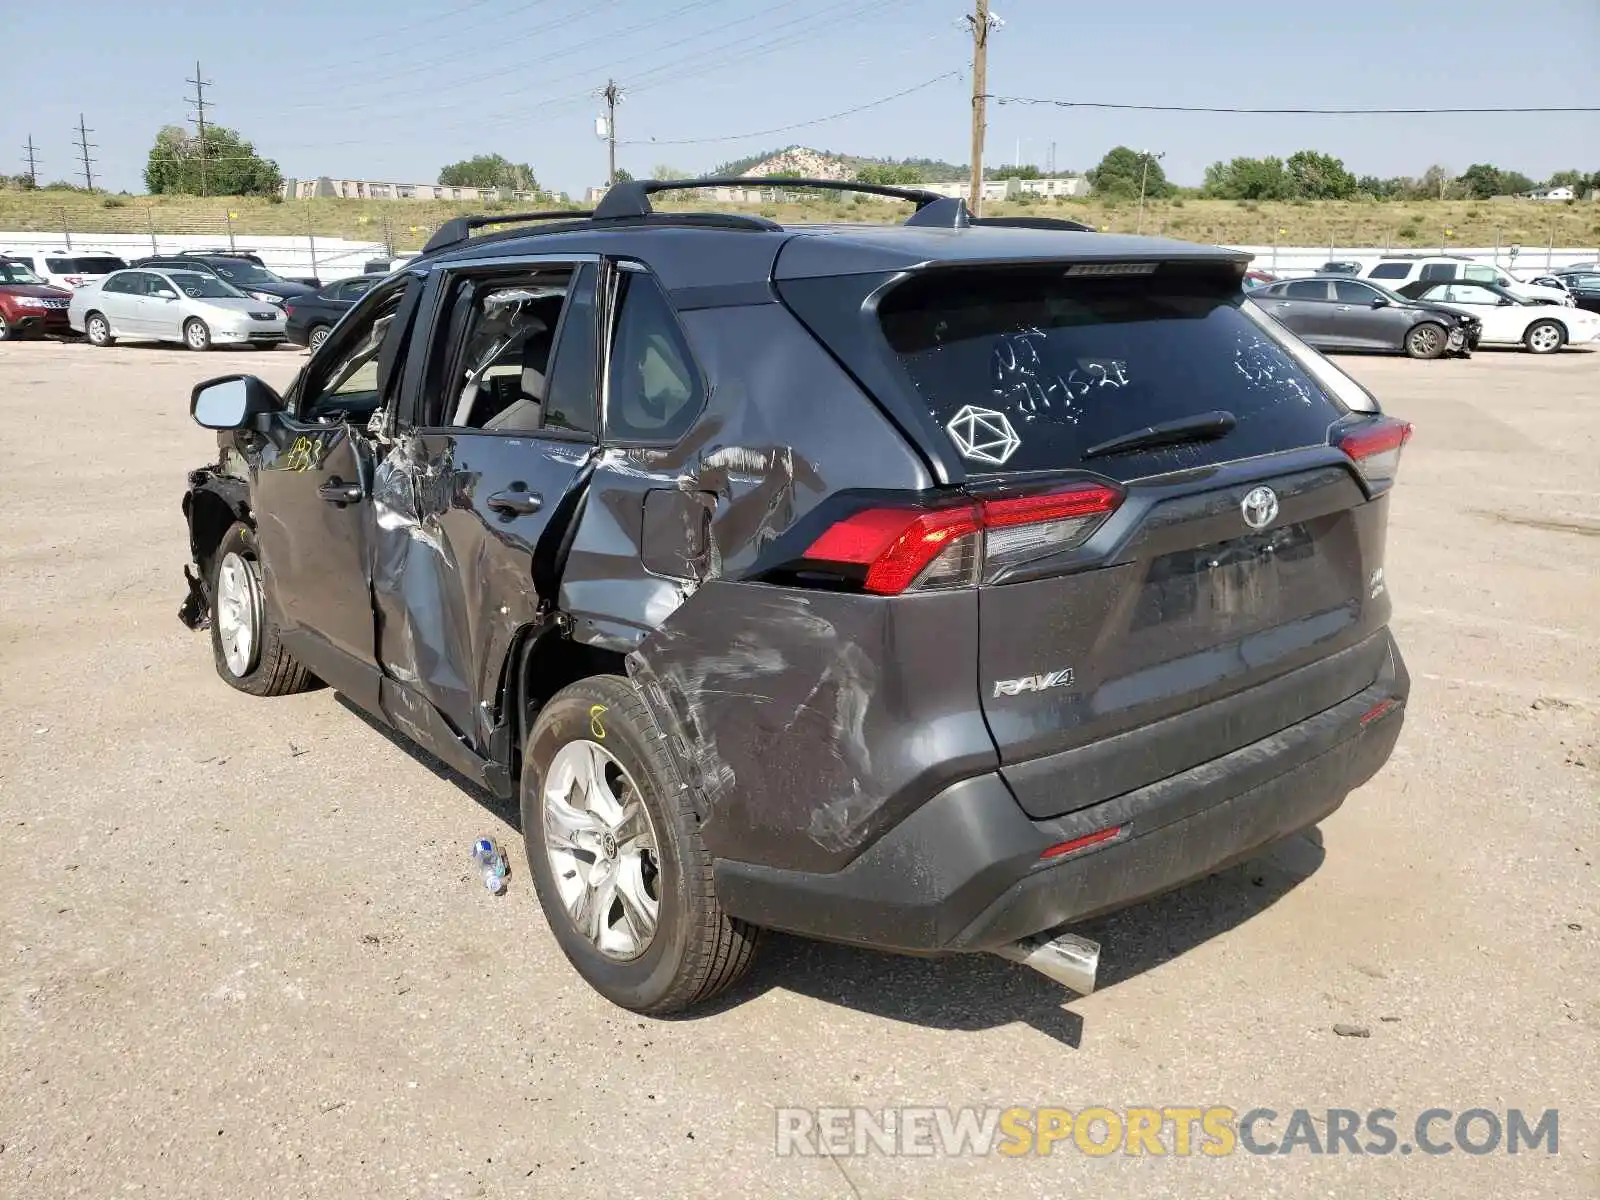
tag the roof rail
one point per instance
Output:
(459, 229)
(631, 198)
(1035, 223)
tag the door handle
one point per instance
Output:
(336, 491)
(516, 501)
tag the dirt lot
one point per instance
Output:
(243, 954)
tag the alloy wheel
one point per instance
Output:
(317, 338)
(1426, 340)
(603, 849)
(238, 613)
(196, 335)
(1545, 339)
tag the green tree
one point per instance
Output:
(1316, 176)
(1121, 169)
(1578, 181)
(1024, 171)
(489, 171)
(623, 176)
(889, 174)
(1247, 179)
(230, 165)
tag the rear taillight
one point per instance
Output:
(894, 550)
(1374, 446)
(288, 310)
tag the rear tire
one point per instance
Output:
(97, 331)
(1427, 340)
(255, 662)
(196, 334)
(319, 334)
(693, 950)
(1544, 337)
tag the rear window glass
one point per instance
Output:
(85, 265)
(1397, 270)
(1026, 370)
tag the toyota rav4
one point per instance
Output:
(926, 587)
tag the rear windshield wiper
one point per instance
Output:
(1202, 427)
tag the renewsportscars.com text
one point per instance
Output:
(1178, 1130)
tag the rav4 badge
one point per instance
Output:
(1033, 683)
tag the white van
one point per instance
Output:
(1396, 270)
(68, 268)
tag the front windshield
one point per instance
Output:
(15, 272)
(193, 283)
(245, 273)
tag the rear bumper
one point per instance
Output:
(964, 872)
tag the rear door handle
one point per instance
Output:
(516, 501)
(336, 491)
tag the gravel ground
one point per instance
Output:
(244, 955)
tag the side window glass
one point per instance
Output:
(1438, 271)
(1481, 274)
(504, 332)
(1307, 289)
(349, 389)
(1353, 293)
(653, 391)
(574, 377)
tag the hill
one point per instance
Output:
(828, 164)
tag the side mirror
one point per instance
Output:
(232, 402)
(1505, 302)
(1380, 302)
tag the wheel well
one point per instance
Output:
(538, 666)
(210, 516)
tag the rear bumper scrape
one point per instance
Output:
(964, 873)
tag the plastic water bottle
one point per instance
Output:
(491, 861)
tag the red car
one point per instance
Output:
(28, 304)
(1254, 279)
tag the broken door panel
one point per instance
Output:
(458, 520)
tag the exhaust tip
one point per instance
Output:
(1070, 960)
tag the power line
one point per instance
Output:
(33, 165)
(849, 112)
(1295, 112)
(199, 101)
(84, 146)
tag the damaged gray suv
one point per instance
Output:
(926, 587)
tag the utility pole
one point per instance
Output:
(612, 94)
(201, 83)
(1144, 176)
(981, 25)
(33, 164)
(84, 146)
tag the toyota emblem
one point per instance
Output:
(1260, 507)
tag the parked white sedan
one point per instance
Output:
(1509, 319)
(194, 309)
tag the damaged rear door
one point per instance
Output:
(313, 470)
(491, 452)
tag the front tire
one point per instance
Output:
(97, 331)
(244, 635)
(616, 855)
(1544, 337)
(196, 334)
(1427, 340)
(6, 332)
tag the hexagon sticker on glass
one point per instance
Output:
(983, 435)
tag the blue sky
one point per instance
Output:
(394, 89)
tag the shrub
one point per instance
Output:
(113, 202)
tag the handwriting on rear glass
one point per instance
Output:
(1024, 384)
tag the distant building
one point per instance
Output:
(993, 189)
(366, 189)
(1555, 193)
